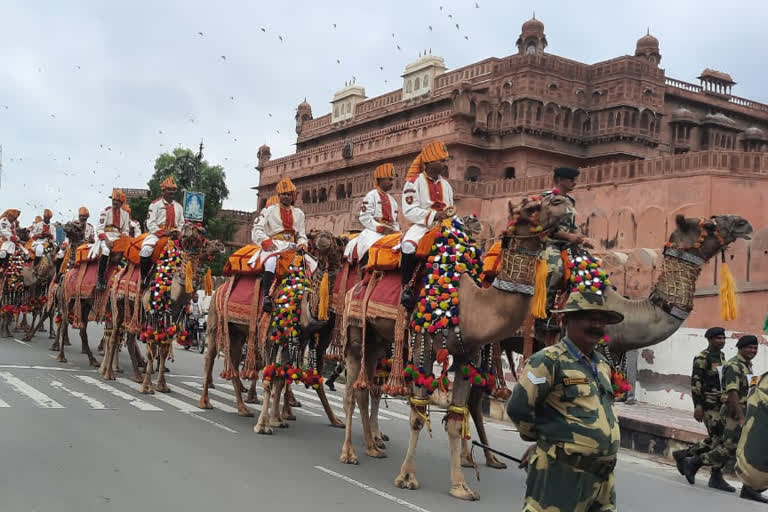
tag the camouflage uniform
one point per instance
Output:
(751, 455)
(564, 402)
(735, 378)
(707, 392)
(552, 253)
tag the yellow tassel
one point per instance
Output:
(208, 283)
(727, 294)
(188, 279)
(325, 298)
(65, 261)
(539, 303)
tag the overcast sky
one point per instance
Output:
(92, 91)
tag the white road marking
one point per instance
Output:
(136, 402)
(173, 402)
(230, 387)
(211, 422)
(4, 404)
(22, 342)
(373, 490)
(40, 398)
(339, 405)
(37, 367)
(92, 402)
(219, 405)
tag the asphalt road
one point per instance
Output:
(72, 442)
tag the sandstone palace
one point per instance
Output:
(649, 147)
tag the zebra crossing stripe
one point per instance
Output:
(196, 397)
(92, 402)
(137, 403)
(4, 404)
(173, 402)
(199, 387)
(40, 398)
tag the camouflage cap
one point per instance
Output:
(586, 301)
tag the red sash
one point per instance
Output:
(286, 217)
(435, 193)
(386, 206)
(170, 216)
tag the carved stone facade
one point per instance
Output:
(649, 147)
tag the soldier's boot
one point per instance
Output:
(751, 494)
(101, 284)
(145, 266)
(335, 375)
(407, 266)
(716, 481)
(679, 457)
(691, 466)
(266, 283)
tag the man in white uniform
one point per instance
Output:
(378, 215)
(135, 227)
(10, 242)
(165, 217)
(280, 227)
(89, 234)
(426, 196)
(41, 235)
(113, 224)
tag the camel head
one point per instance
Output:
(543, 211)
(75, 232)
(473, 225)
(192, 238)
(38, 274)
(706, 237)
(210, 249)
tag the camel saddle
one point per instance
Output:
(134, 248)
(383, 256)
(237, 263)
(491, 262)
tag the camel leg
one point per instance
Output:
(290, 398)
(275, 418)
(85, 348)
(64, 337)
(262, 426)
(210, 355)
(378, 437)
(407, 477)
(287, 413)
(335, 422)
(161, 385)
(371, 449)
(133, 352)
(453, 425)
(35, 327)
(476, 410)
(237, 353)
(146, 386)
(51, 332)
(252, 397)
(353, 364)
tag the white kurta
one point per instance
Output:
(109, 230)
(371, 217)
(423, 198)
(269, 226)
(135, 228)
(158, 224)
(8, 237)
(41, 235)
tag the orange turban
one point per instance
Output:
(168, 183)
(117, 195)
(38, 218)
(272, 200)
(285, 185)
(432, 152)
(47, 213)
(384, 171)
(83, 211)
(11, 211)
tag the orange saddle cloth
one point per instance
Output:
(492, 262)
(382, 255)
(134, 248)
(237, 263)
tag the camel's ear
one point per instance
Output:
(681, 222)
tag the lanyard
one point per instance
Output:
(582, 358)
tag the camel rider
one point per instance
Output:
(165, 216)
(378, 215)
(41, 235)
(280, 227)
(10, 242)
(113, 223)
(89, 234)
(426, 196)
(135, 228)
(565, 234)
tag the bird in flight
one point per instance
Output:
(200, 34)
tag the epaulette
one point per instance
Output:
(413, 178)
(158, 199)
(554, 352)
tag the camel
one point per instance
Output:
(327, 252)
(487, 315)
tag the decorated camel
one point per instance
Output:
(434, 330)
(155, 315)
(234, 319)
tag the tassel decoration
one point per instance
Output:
(539, 303)
(208, 283)
(65, 261)
(324, 299)
(727, 294)
(188, 278)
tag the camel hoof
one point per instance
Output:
(204, 404)
(94, 363)
(109, 376)
(337, 424)
(263, 430)
(26, 338)
(282, 424)
(67, 344)
(61, 359)
(250, 400)
(147, 390)
(375, 453)
(384, 437)
(407, 481)
(295, 403)
(380, 444)
(211, 386)
(245, 413)
(463, 492)
(495, 464)
(119, 370)
(163, 388)
(349, 457)
(138, 379)
(289, 417)
(54, 347)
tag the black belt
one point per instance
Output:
(600, 466)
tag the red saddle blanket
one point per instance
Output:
(129, 284)
(240, 306)
(82, 280)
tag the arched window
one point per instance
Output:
(538, 113)
(349, 107)
(306, 198)
(408, 86)
(323, 196)
(417, 84)
(610, 120)
(489, 120)
(425, 81)
(340, 193)
(349, 189)
(472, 173)
(645, 121)
(336, 111)
(531, 49)
(509, 173)
(314, 196)
(472, 107)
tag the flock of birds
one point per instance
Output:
(104, 173)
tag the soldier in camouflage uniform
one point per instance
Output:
(563, 235)
(706, 392)
(564, 402)
(751, 455)
(737, 379)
